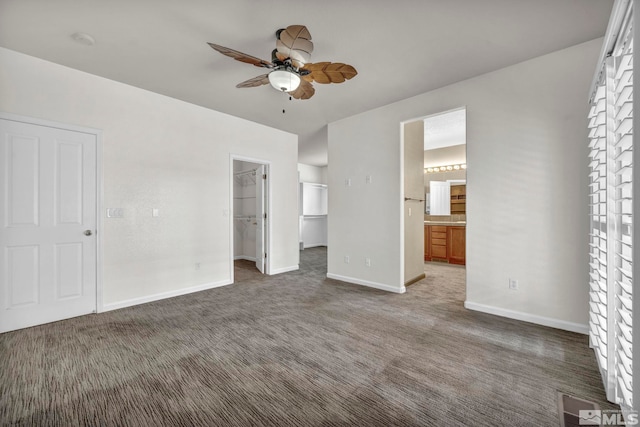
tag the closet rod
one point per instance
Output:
(249, 172)
(247, 217)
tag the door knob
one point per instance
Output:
(87, 232)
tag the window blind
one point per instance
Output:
(598, 285)
(622, 147)
(611, 219)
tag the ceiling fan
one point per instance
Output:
(291, 71)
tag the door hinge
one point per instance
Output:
(264, 176)
(265, 255)
(265, 215)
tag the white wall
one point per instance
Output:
(159, 152)
(365, 218)
(316, 174)
(413, 176)
(452, 155)
(312, 147)
(526, 187)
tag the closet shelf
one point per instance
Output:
(246, 219)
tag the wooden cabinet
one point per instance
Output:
(456, 245)
(445, 243)
(427, 243)
(439, 242)
(458, 199)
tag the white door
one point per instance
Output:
(47, 224)
(261, 221)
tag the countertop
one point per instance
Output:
(449, 223)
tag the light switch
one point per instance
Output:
(115, 213)
(347, 182)
(155, 212)
(369, 179)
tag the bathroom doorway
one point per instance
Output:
(434, 170)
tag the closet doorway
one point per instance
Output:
(251, 216)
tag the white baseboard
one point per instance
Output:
(248, 258)
(527, 317)
(284, 270)
(376, 285)
(163, 295)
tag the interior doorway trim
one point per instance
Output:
(267, 165)
(401, 252)
(99, 304)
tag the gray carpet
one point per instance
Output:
(296, 349)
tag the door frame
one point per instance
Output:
(267, 239)
(99, 190)
(402, 225)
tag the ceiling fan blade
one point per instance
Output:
(329, 72)
(295, 42)
(242, 57)
(255, 82)
(304, 91)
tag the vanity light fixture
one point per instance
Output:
(446, 168)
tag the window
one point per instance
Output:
(611, 218)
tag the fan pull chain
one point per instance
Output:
(283, 110)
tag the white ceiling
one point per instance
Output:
(445, 130)
(400, 48)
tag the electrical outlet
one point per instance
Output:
(197, 266)
(367, 262)
(347, 182)
(513, 284)
(155, 212)
(368, 179)
(346, 259)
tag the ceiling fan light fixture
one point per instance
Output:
(284, 81)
